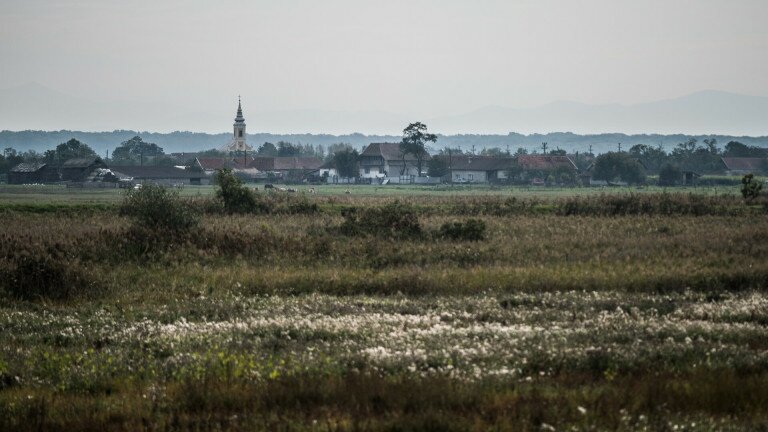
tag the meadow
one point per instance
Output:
(558, 310)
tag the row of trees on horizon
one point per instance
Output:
(691, 155)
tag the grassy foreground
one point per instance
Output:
(578, 313)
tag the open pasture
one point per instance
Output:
(59, 194)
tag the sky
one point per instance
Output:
(419, 58)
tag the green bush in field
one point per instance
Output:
(159, 209)
(750, 187)
(391, 220)
(41, 276)
(670, 175)
(471, 230)
(236, 197)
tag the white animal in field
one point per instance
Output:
(312, 191)
(347, 192)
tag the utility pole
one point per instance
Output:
(619, 147)
(473, 149)
(544, 148)
(590, 149)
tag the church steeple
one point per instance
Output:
(238, 143)
(239, 118)
(238, 139)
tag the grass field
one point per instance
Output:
(578, 310)
(62, 195)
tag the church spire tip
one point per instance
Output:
(239, 117)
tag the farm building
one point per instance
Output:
(329, 173)
(545, 163)
(328, 169)
(212, 164)
(241, 166)
(539, 168)
(80, 169)
(380, 160)
(476, 169)
(744, 165)
(291, 168)
(33, 172)
(164, 175)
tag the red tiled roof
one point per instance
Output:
(389, 151)
(154, 172)
(477, 163)
(212, 164)
(745, 163)
(544, 162)
(286, 163)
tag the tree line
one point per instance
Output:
(630, 166)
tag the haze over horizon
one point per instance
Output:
(358, 66)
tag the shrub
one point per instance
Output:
(471, 230)
(159, 210)
(750, 187)
(669, 175)
(612, 166)
(41, 276)
(391, 220)
(236, 197)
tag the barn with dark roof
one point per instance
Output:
(33, 172)
(80, 169)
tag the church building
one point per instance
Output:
(238, 143)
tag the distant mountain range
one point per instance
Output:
(35, 107)
(709, 114)
(706, 112)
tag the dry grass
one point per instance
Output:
(594, 299)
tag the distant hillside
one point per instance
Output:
(190, 142)
(698, 113)
(35, 106)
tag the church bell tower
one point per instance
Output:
(238, 140)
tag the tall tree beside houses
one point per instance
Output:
(439, 167)
(737, 149)
(345, 161)
(267, 149)
(415, 139)
(9, 159)
(136, 150)
(615, 166)
(72, 149)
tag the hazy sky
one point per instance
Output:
(421, 58)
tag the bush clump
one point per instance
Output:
(750, 187)
(41, 276)
(394, 220)
(470, 230)
(237, 198)
(158, 209)
(648, 204)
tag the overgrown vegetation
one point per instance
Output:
(41, 276)
(394, 220)
(750, 187)
(605, 312)
(237, 198)
(470, 230)
(159, 210)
